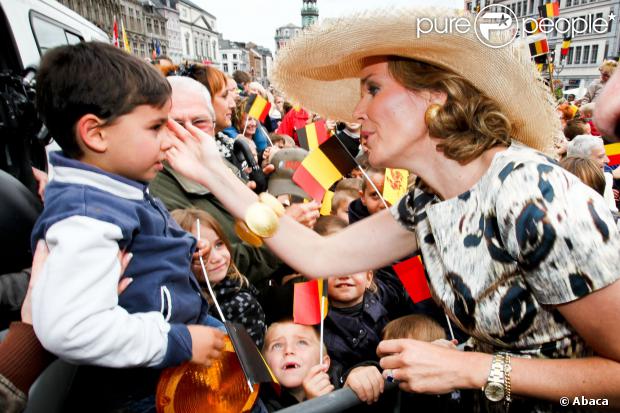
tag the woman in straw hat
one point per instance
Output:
(519, 253)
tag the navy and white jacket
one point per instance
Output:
(89, 216)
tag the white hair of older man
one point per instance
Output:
(184, 84)
(582, 145)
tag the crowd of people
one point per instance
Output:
(511, 206)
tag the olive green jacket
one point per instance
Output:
(177, 192)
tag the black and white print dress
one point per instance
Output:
(526, 237)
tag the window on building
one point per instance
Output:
(569, 56)
(594, 55)
(586, 54)
(235, 66)
(187, 46)
(518, 12)
(139, 23)
(196, 52)
(149, 26)
(226, 67)
(569, 3)
(606, 52)
(234, 56)
(577, 55)
(224, 56)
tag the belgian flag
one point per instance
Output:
(612, 151)
(565, 45)
(307, 300)
(312, 135)
(257, 107)
(539, 46)
(549, 10)
(323, 167)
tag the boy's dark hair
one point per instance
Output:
(241, 77)
(97, 78)
(574, 127)
(372, 172)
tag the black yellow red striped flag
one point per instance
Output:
(312, 135)
(323, 167)
(549, 10)
(257, 107)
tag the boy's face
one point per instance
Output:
(137, 143)
(370, 197)
(290, 351)
(349, 290)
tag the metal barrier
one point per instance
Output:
(335, 401)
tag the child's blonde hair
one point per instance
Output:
(414, 326)
(186, 218)
(343, 195)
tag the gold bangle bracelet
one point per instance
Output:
(507, 370)
(261, 220)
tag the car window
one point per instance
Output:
(49, 34)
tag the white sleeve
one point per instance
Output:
(75, 309)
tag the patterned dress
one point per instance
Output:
(499, 257)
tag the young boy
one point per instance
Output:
(370, 201)
(341, 201)
(292, 352)
(108, 110)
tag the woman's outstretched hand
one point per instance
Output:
(191, 150)
(423, 367)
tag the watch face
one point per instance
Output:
(494, 392)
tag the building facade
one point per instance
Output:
(145, 27)
(233, 56)
(199, 37)
(168, 9)
(99, 12)
(309, 13)
(284, 34)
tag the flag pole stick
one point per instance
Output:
(373, 186)
(321, 329)
(246, 125)
(265, 132)
(449, 326)
(204, 273)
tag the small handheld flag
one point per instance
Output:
(565, 46)
(307, 299)
(549, 10)
(395, 184)
(613, 153)
(538, 45)
(257, 107)
(323, 166)
(312, 135)
(411, 274)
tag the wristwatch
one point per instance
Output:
(495, 388)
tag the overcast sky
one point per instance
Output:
(257, 20)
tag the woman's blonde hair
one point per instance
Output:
(414, 326)
(586, 170)
(608, 67)
(186, 218)
(469, 123)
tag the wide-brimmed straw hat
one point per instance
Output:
(320, 68)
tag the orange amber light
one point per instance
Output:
(219, 388)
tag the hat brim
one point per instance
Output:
(320, 69)
(284, 186)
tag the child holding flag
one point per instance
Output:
(236, 296)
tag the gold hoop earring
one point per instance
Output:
(431, 113)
